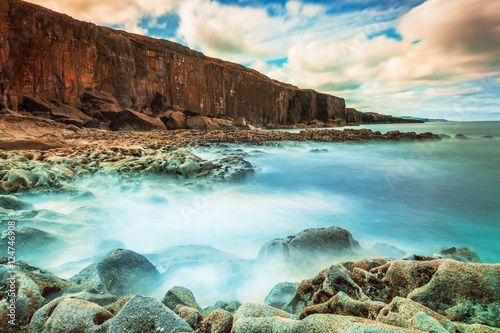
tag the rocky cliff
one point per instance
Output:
(55, 58)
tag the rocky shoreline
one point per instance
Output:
(449, 291)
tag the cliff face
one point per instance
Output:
(52, 57)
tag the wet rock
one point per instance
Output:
(318, 150)
(230, 307)
(146, 315)
(320, 323)
(444, 136)
(35, 287)
(99, 299)
(115, 307)
(460, 137)
(254, 317)
(190, 315)
(281, 294)
(464, 254)
(14, 203)
(219, 321)
(463, 292)
(34, 242)
(64, 315)
(121, 272)
(136, 121)
(403, 312)
(343, 304)
(319, 246)
(487, 137)
(180, 296)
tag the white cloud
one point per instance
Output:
(458, 42)
(124, 13)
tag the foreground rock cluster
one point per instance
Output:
(370, 295)
(449, 291)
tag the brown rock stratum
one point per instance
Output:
(55, 58)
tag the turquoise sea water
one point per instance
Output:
(418, 196)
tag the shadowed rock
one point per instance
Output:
(460, 253)
(281, 294)
(121, 272)
(219, 321)
(317, 245)
(14, 203)
(180, 296)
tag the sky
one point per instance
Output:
(421, 58)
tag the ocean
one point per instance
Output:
(417, 196)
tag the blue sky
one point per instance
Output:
(434, 58)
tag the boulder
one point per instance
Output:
(219, 321)
(36, 106)
(281, 294)
(460, 137)
(35, 287)
(464, 254)
(224, 124)
(120, 272)
(136, 121)
(36, 246)
(230, 307)
(319, 246)
(145, 315)
(139, 315)
(14, 203)
(65, 314)
(201, 123)
(180, 296)
(190, 315)
(23, 133)
(254, 317)
(240, 121)
(100, 105)
(70, 116)
(174, 120)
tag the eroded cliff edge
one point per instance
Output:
(53, 57)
